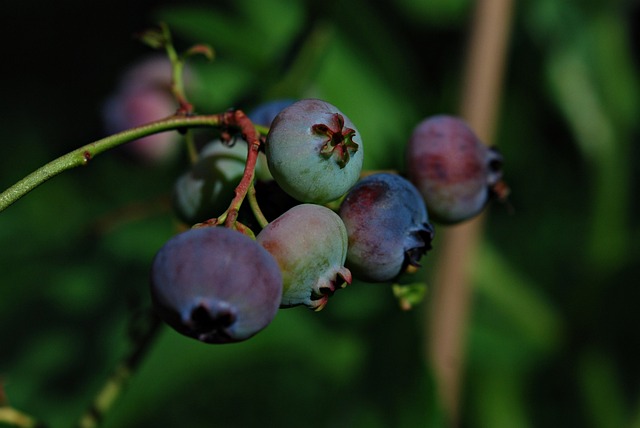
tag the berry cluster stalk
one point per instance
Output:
(83, 155)
(250, 135)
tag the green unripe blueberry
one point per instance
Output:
(309, 242)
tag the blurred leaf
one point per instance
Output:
(381, 115)
(221, 84)
(501, 400)
(616, 75)
(409, 295)
(249, 37)
(604, 399)
(277, 22)
(240, 380)
(577, 96)
(220, 29)
(513, 294)
(439, 13)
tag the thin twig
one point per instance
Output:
(450, 305)
(255, 207)
(119, 378)
(82, 156)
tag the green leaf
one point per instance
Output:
(409, 295)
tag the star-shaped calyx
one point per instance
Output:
(339, 141)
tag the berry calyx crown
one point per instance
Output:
(339, 141)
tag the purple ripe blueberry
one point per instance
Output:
(310, 244)
(387, 225)
(264, 113)
(314, 151)
(455, 172)
(215, 285)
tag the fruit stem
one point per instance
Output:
(191, 147)
(82, 155)
(177, 88)
(177, 67)
(120, 377)
(250, 135)
(262, 130)
(255, 208)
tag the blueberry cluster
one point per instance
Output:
(218, 285)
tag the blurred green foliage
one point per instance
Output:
(553, 330)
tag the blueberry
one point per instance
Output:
(142, 96)
(455, 172)
(215, 285)
(314, 151)
(264, 113)
(310, 244)
(387, 225)
(206, 190)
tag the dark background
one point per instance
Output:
(553, 336)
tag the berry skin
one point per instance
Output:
(215, 285)
(264, 113)
(455, 172)
(314, 151)
(310, 244)
(144, 95)
(206, 190)
(387, 225)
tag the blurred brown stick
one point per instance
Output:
(450, 305)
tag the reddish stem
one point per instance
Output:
(248, 131)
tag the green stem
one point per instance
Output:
(262, 130)
(84, 154)
(255, 208)
(192, 151)
(119, 379)
(177, 66)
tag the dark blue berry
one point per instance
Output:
(387, 225)
(264, 113)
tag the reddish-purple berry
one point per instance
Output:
(143, 96)
(455, 172)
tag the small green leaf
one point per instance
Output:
(153, 37)
(409, 295)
